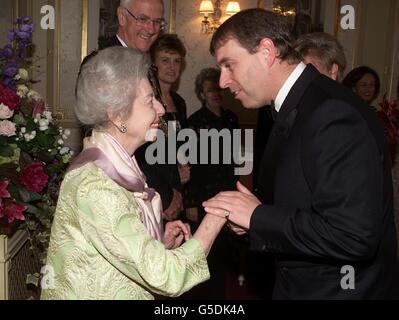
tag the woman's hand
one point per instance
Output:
(175, 233)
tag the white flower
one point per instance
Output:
(7, 128)
(43, 124)
(23, 130)
(5, 112)
(32, 94)
(23, 74)
(64, 136)
(60, 141)
(71, 153)
(35, 120)
(33, 134)
(64, 150)
(27, 137)
(47, 115)
(67, 132)
(22, 90)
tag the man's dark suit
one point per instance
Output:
(326, 188)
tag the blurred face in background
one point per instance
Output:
(365, 88)
(212, 94)
(169, 64)
(140, 23)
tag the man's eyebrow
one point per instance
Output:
(223, 61)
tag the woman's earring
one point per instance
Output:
(123, 128)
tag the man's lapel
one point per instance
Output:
(284, 121)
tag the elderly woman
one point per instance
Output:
(107, 240)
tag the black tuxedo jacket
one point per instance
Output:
(326, 188)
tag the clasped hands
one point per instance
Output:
(236, 206)
(175, 233)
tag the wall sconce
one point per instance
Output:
(213, 8)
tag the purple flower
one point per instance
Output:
(11, 69)
(6, 52)
(10, 83)
(11, 35)
(26, 28)
(23, 35)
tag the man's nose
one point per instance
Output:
(224, 79)
(151, 27)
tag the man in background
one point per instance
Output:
(140, 23)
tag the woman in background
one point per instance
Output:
(365, 82)
(167, 55)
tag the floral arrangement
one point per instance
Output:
(33, 157)
(389, 116)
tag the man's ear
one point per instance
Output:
(334, 72)
(121, 16)
(202, 96)
(267, 50)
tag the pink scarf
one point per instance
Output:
(107, 153)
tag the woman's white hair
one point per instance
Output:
(107, 84)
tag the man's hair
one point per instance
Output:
(207, 74)
(250, 26)
(168, 42)
(108, 82)
(324, 47)
(353, 77)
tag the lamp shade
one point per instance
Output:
(232, 7)
(206, 6)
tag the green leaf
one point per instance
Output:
(6, 151)
(19, 120)
(31, 209)
(44, 140)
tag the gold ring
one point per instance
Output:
(226, 214)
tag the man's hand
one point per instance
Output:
(175, 233)
(236, 206)
(175, 206)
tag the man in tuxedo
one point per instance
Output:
(325, 187)
(140, 23)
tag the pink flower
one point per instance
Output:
(8, 97)
(7, 128)
(12, 211)
(38, 108)
(33, 177)
(5, 112)
(3, 189)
